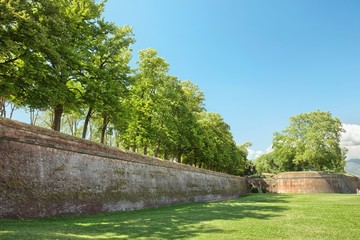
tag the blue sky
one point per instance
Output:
(258, 62)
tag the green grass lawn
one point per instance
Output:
(258, 216)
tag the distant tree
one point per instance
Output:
(310, 142)
(216, 149)
(250, 168)
(266, 163)
(240, 164)
(71, 123)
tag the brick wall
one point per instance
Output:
(307, 182)
(46, 173)
(316, 182)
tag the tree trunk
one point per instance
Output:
(33, 116)
(86, 123)
(76, 123)
(145, 149)
(117, 136)
(12, 110)
(156, 153)
(179, 154)
(133, 148)
(71, 126)
(103, 128)
(58, 111)
(2, 107)
(178, 157)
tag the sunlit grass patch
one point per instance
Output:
(257, 216)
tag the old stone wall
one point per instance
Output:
(46, 173)
(307, 182)
(316, 182)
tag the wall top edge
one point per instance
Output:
(14, 131)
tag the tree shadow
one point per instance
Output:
(173, 222)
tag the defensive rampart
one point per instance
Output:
(316, 182)
(307, 182)
(46, 173)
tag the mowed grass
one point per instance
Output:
(257, 216)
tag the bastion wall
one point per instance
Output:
(307, 182)
(45, 173)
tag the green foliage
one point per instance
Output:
(42, 51)
(105, 79)
(266, 163)
(256, 216)
(311, 142)
(145, 99)
(63, 58)
(216, 149)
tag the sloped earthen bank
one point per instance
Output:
(46, 173)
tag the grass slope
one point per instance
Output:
(258, 216)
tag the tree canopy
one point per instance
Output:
(62, 58)
(42, 51)
(310, 142)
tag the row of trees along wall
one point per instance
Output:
(65, 59)
(47, 173)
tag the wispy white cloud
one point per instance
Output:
(351, 140)
(253, 154)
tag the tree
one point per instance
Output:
(266, 163)
(71, 123)
(105, 80)
(77, 23)
(216, 149)
(149, 79)
(24, 38)
(169, 105)
(311, 142)
(177, 105)
(42, 51)
(188, 113)
(243, 165)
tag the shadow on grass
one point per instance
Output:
(174, 222)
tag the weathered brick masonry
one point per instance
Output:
(308, 182)
(316, 182)
(46, 173)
